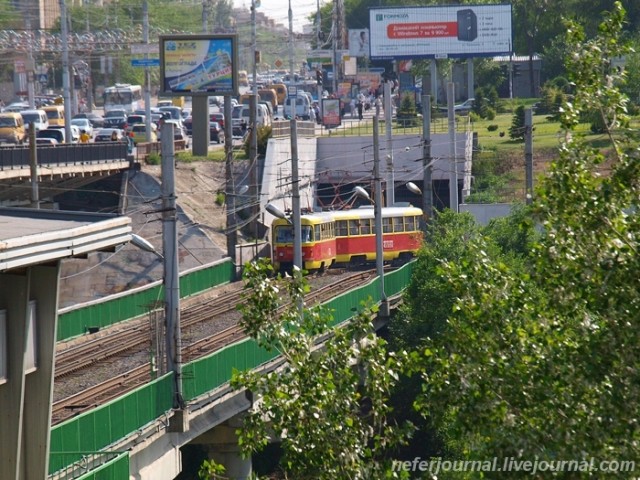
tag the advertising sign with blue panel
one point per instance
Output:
(199, 65)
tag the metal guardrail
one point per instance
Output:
(282, 128)
(18, 157)
(144, 149)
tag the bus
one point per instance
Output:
(123, 96)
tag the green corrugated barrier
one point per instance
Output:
(111, 422)
(77, 320)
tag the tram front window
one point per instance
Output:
(284, 235)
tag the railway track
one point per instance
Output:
(101, 350)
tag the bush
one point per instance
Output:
(154, 159)
(492, 127)
(491, 114)
(407, 115)
(264, 133)
(220, 198)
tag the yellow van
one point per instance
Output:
(55, 114)
(281, 91)
(269, 95)
(12, 128)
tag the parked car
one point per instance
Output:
(175, 112)
(54, 133)
(106, 135)
(464, 107)
(83, 124)
(12, 128)
(138, 133)
(216, 133)
(134, 119)
(75, 132)
(461, 108)
(96, 120)
(46, 142)
(115, 119)
(179, 132)
(188, 125)
(37, 118)
(217, 117)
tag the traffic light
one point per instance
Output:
(516, 70)
(319, 78)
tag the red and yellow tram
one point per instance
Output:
(348, 237)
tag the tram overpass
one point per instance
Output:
(140, 434)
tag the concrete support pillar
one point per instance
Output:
(223, 448)
(433, 70)
(25, 399)
(13, 298)
(200, 115)
(39, 384)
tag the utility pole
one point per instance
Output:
(377, 205)
(30, 68)
(33, 163)
(291, 66)
(427, 187)
(147, 74)
(528, 154)
(388, 110)
(295, 194)
(230, 193)
(64, 31)
(334, 47)
(453, 168)
(295, 187)
(253, 133)
(171, 267)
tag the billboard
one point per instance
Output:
(359, 42)
(331, 112)
(440, 32)
(198, 65)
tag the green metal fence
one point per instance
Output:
(79, 319)
(96, 429)
(91, 465)
(109, 423)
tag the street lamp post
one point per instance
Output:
(377, 213)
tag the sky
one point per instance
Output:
(278, 10)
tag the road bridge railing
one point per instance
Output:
(18, 157)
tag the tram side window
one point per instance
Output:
(353, 227)
(317, 235)
(284, 235)
(329, 230)
(410, 224)
(398, 225)
(365, 226)
(341, 228)
(386, 225)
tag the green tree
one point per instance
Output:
(543, 362)
(327, 406)
(516, 131)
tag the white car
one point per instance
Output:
(464, 107)
(179, 132)
(83, 124)
(75, 132)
